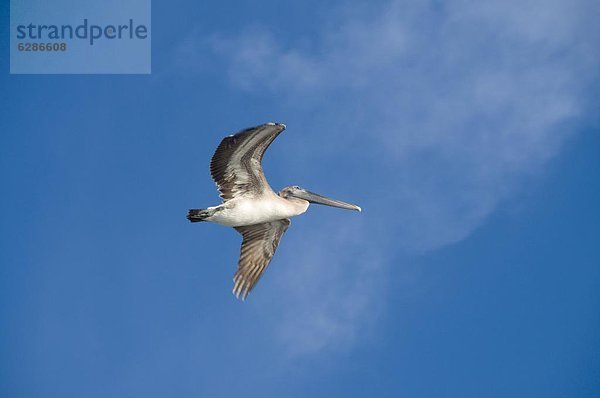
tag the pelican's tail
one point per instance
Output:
(196, 215)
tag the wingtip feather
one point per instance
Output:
(276, 124)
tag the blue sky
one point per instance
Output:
(468, 133)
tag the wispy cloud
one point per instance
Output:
(441, 109)
(328, 282)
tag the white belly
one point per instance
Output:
(243, 211)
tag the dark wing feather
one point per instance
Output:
(236, 164)
(258, 247)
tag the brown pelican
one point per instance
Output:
(249, 204)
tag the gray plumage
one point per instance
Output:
(258, 247)
(236, 164)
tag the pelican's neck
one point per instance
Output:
(295, 205)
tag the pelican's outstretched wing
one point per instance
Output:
(258, 247)
(235, 165)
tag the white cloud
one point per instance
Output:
(441, 109)
(479, 91)
(329, 285)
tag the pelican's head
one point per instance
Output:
(295, 192)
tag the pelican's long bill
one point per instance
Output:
(323, 200)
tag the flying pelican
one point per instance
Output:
(249, 204)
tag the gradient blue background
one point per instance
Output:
(107, 291)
